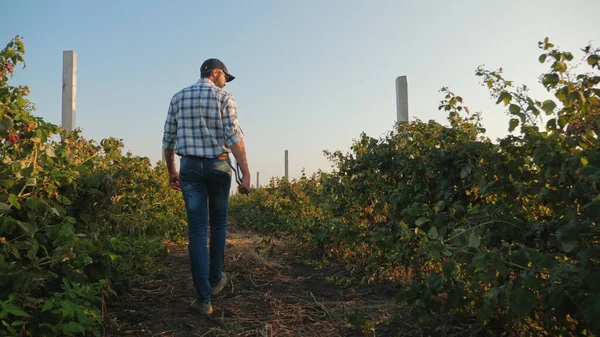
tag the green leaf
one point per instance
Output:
(27, 172)
(586, 255)
(485, 313)
(519, 257)
(514, 109)
(590, 171)
(555, 295)
(63, 200)
(421, 221)
(542, 155)
(514, 122)
(465, 171)
(474, 240)
(593, 209)
(55, 211)
(433, 233)
(568, 236)
(590, 307)
(14, 201)
(13, 310)
(504, 97)
(453, 299)
(73, 327)
(31, 254)
(568, 56)
(448, 267)
(542, 58)
(522, 301)
(593, 281)
(560, 66)
(548, 106)
(47, 306)
(479, 259)
(357, 320)
(562, 121)
(35, 204)
(4, 207)
(532, 282)
(27, 227)
(499, 264)
(85, 217)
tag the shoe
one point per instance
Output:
(216, 289)
(202, 308)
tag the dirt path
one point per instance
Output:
(272, 292)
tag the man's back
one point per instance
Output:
(202, 121)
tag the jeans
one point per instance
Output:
(205, 180)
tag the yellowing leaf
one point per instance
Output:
(584, 161)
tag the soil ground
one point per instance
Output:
(272, 291)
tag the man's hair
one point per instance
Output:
(205, 73)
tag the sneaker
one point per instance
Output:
(216, 289)
(202, 308)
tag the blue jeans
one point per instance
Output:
(205, 180)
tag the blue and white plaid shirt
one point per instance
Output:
(202, 121)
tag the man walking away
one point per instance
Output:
(202, 127)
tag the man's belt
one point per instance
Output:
(222, 156)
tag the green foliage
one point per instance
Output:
(78, 220)
(506, 232)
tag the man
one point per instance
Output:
(202, 127)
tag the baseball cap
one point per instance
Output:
(211, 64)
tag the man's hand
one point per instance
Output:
(173, 174)
(174, 181)
(245, 187)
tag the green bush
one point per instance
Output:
(78, 220)
(506, 232)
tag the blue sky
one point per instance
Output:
(311, 75)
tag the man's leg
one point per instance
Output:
(218, 192)
(194, 188)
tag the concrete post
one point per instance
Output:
(257, 179)
(69, 90)
(401, 99)
(286, 164)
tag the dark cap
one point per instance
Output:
(211, 64)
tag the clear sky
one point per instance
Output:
(311, 75)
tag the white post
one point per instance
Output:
(69, 89)
(401, 99)
(286, 164)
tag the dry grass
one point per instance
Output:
(272, 293)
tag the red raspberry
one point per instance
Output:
(13, 139)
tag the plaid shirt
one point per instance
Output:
(202, 121)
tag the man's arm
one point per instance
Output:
(169, 138)
(173, 174)
(239, 152)
(234, 139)
(170, 160)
